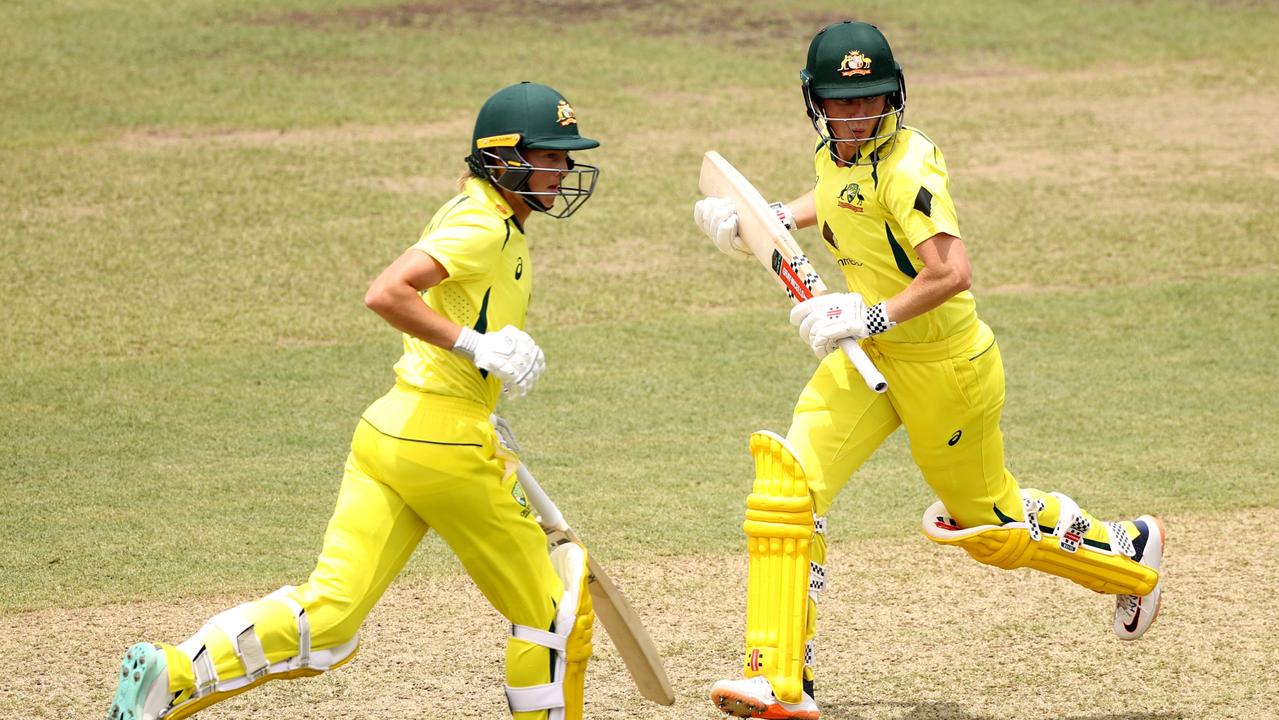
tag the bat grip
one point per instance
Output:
(871, 374)
(542, 504)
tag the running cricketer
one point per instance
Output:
(883, 208)
(425, 455)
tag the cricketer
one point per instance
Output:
(426, 455)
(883, 206)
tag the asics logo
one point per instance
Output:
(955, 438)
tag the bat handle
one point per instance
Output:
(871, 374)
(551, 516)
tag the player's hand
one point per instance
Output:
(510, 354)
(717, 217)
(505, 435)
(826, 319)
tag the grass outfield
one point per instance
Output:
(196, 195)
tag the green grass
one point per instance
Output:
(196, 195)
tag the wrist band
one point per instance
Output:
(785, 215)
(467, 341)
(877, 319)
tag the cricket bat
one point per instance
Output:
(773, 246)
(615, 613)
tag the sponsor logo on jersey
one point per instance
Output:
(519, 267)
(564, 114)
(851, 198)
(955, 438)
(855, 63)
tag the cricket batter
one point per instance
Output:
(883, 206)
(427, 455)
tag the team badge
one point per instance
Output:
(855, 63)
(564, 114)
(517, 492)
(851, 198)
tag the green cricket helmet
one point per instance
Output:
(531, 116)
(852, 59)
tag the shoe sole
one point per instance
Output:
(745, 706)
(137, 671)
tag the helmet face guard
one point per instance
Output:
(507, 168)
(528, 116)
(853, 60)
(869, 150)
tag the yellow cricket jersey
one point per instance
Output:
(873, 216)
(478, 241)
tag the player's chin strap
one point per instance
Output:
(569, 640)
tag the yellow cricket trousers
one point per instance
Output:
(949, 396)
(418, 462)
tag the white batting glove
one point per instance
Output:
(824, 320)
(717, 217)
(505, 435)
(510, 354)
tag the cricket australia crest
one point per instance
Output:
(851, 198)
(564, 114)
(854, 63)
(517, 492)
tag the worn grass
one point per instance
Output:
(196, 194)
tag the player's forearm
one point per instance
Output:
(401, 307)
(930, 288)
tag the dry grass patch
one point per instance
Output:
(909, 630)
(745, 25)
(160, 138)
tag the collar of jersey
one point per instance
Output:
(482, 191)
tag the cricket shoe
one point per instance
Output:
(143, 689)
(753, 698)
(1135, 613)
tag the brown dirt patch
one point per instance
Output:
(909, 631)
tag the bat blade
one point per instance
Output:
(619, 619)
(624, 628)
(774, 247)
